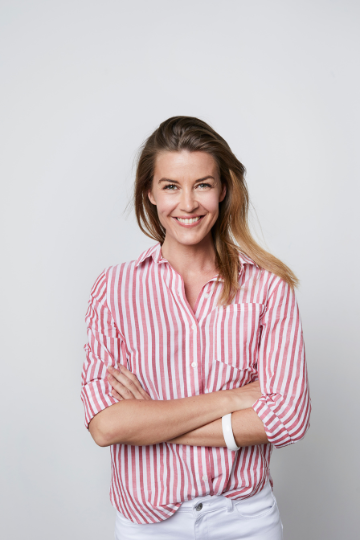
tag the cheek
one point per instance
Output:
(210, 202)
(164, 205)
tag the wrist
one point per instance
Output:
(236, 400)
(228, 433)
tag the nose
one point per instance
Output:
(188, 202)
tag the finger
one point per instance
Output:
(134, 380)
(130, 381)
(127, 390)
(124, 369)
(120, 388)
(115, 394)
(136, 387)
(137, 383)
(131, 384)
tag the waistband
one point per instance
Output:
(213, 502)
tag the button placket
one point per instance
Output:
(195, 336)
(193, 325)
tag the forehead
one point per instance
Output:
(184, 164)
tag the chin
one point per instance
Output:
(186, 241)
(189, 242)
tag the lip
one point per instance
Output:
(189, 225)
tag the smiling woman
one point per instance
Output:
(186, 191)
(186, 200)
(185, 150)
(195, 364)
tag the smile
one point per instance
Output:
(188, 222)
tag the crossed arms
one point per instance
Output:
(279, 413)
(194, 421)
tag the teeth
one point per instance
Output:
(188, 221)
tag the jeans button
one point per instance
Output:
(199, 507)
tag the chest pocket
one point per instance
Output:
(236, 334)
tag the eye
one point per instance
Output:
(204, 185)
(170, 187)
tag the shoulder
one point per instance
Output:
(123, 273)
(267, 283)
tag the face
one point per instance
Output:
(186, 190)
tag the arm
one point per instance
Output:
(285, 405)
(247, 427)
(105, 348)
(140, 421)
(280, 415)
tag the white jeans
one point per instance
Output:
(212, 518)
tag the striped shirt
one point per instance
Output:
(138, 316)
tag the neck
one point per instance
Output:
(190, 259)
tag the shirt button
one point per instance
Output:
(204, 477)
(179, 292)
(194, 364)
(194, 327)
(207, 295)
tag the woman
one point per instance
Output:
(195, 363)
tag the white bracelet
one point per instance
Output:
(228, 433)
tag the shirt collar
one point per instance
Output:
(244, 259)
(155, 253)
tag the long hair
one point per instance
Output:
(231, 232)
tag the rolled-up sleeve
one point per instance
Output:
(285, 405)
(105, 348)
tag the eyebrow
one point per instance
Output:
(177, 182)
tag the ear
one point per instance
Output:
(151, 198)
(223, 193)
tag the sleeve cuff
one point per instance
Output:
(275, 430)
(95, 397)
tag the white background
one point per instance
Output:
(83, 83)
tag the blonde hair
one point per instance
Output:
(231, 232)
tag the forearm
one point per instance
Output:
(140, 422)
(247, 427)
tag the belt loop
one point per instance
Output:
(230, 505)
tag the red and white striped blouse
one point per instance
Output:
(139, 316)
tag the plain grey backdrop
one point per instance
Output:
(83, 83)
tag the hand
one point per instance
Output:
(125, 384)
(247, 395)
